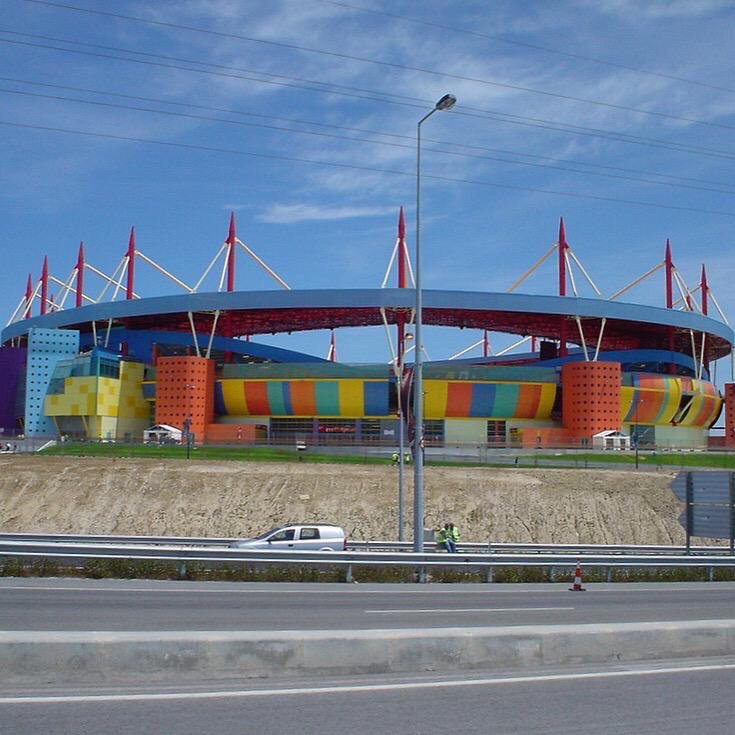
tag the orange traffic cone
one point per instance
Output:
(577, 586)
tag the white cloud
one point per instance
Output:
(292, 213)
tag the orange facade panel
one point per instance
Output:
(730, 414)
(231, 433)
(185, 392)
(590, 398)
(459, 399)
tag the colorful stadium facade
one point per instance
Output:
(110, 369)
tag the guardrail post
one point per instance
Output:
(182, 570)
(421, 576)
(711, 574)
(732, 512)
(552, 574)
(689, 510)
(489, 574)
(348, 574)
(608, 574)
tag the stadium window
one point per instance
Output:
(370, 430)
(434, 432)
(496, 432)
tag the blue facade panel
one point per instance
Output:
(376, 398)
(46, 347)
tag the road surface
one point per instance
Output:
(139, 605)
(670, 698)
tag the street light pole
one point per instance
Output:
(187, 435)
(400, 458)
(445, 103)
(401, 359)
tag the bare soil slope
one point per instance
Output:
(197, 498)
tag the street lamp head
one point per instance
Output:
(446, 102)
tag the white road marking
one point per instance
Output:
(357, 688)
(446, 610)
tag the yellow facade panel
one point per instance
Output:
(351, 398)
(233, 395)
(546, 400)
(435, 398)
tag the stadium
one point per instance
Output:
(581, 371)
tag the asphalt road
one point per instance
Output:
(134, 605)
(671, 698)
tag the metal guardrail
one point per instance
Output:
(127, 540)
(181, 555)
(387, 545)
(578, 549)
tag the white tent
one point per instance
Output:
(611, 439)
(162, 434)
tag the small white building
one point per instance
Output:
(162, 434)
(611, 439)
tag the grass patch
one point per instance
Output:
(725, 460)
(195, 571)
(128, 569)
(562, 460)
(243, 454)
(37, 568)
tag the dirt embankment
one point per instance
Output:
(197, 498)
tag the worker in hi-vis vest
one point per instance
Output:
(441, 538)
(453, 534)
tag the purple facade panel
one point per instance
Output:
(12, 380)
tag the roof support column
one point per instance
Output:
(401, 319)
(129, 290)
(669, 270)
(44, 284)
(80, 276)
(562, 251)
(29, 296)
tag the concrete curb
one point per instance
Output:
(97, 657)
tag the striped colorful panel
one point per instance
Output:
(326, 395)
(671, 404)
(706, 404)
(375, 396)
(626, 401)
(458, 401)
(654, 399)
(506, 401)
(256, 398)
(351, 398)
(651, 382)
(709, 410)
(219, 399)
(488, 400)
(646, 406)
(529, 398)
(279, 398)
(706, 388)
(303, 400)
(233, 397)
(484, 399)
(547, 401)
(435, 398)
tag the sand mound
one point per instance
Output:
(198, 498)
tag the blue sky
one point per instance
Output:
(512, 65)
